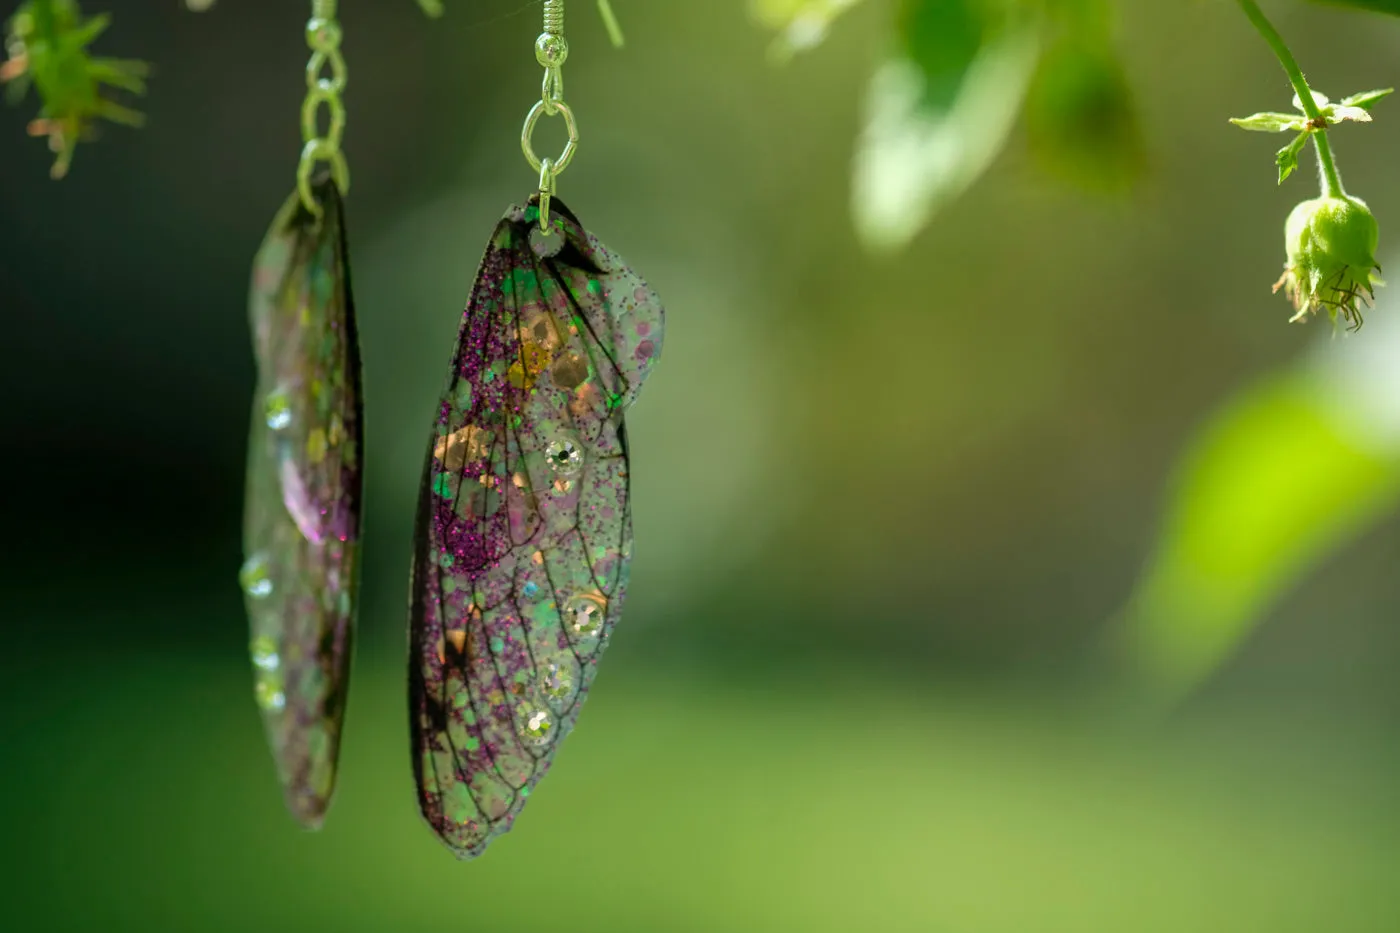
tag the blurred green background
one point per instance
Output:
(951, 562)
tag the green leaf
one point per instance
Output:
(1081, 120)
(942, 38)
(120, 73)
(1375, 6)
(1340, 114)
(1287, 157)
(431, 7)
(801, 24)
(1367, 99)
(1271, 122)
(937, 114)
(86, 33)
(1318, 98)
(1278, 479)
(116, 113)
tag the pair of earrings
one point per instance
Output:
(523, 533)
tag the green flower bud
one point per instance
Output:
(1331, 258)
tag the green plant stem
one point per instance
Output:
(1331, 181)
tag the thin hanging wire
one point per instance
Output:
(551, 51)
(323, 38)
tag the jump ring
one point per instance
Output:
(310, 109)
(340, 75)
(526, 136)
(321, 150)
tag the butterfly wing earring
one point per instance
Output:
(524, 530)
(306, 450)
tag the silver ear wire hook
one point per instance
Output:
(551, 51)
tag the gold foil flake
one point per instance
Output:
(534, 359)
(458, 641)
(570, 371)
(541, 331)
(586, 399)
(536, 356)
(316, 444)
(457, 449)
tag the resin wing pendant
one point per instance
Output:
(302, 511)
(524, 530)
